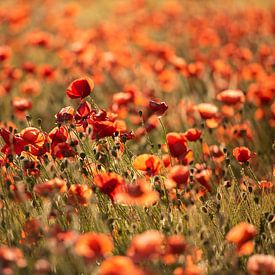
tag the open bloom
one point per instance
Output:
(119, 265)
(13, 143)
(231, 97)
(92, 246)
(50, 188)
(192, 134)
(261, 264)
(80, 88)
(79, 194)
(207, 110)
(242, 235)
(177, 144)
(33, 136)
(146, 246)
(140, 193)
(242, 154)
(147, 163)
(109, 183)
(179, 174)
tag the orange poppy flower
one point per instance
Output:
(30, 87)
(242, 235)
(207, 110)
(150, 164)
(10, 256)
(50, 188)
(119, 265)
(80, 88)
(175, 244)
(146, 246)
(231, 97)
(79, 194)
(93, 246)
(261, 264)
(33, 136)
(140, 193)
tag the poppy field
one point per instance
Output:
(137, 137)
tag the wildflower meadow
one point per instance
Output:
(137, 137)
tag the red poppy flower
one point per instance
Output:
(83, 111)
(33, 136)
(242, 154)
(192, 134)
(63, 150)
(30, 87)
(176, 244)
(179, 174)
(21, 104)
(31, 232)
(159, 108)
(5, 53)
(58, 135)
(203, 176)
(150, 164)
(80, 88)
(13, 143)
(109, 183)
(231, 97)
(103, 129)
(177, 145)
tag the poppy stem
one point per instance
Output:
(252, 175)
(165, 133)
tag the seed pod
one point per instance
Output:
(204, 209)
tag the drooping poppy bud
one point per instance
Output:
(159, 108)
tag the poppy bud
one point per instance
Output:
(159, 108)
